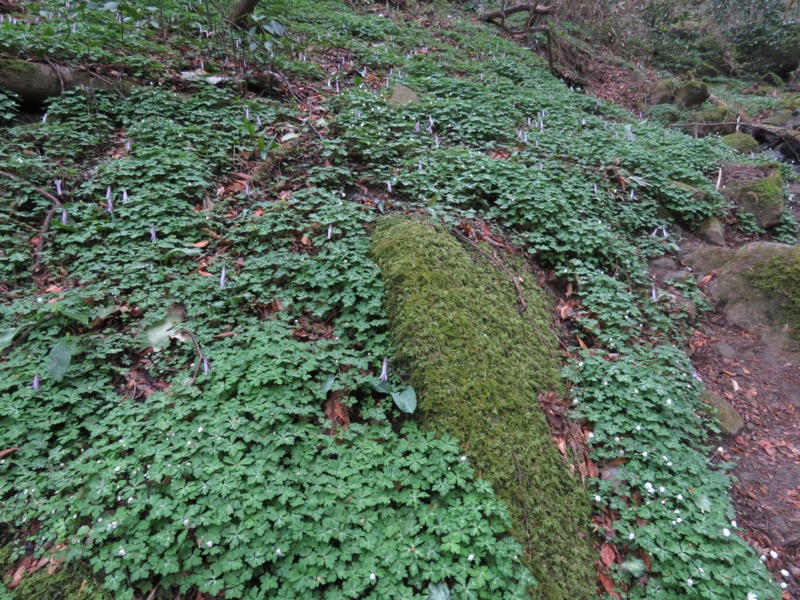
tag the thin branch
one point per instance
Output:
(201, 358)
(48, 217)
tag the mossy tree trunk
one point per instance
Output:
(242, 10)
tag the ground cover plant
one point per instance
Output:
(191, 354)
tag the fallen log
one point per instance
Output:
(35, 82)
(529, 7)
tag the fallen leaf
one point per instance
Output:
(607, 554)
(735, 385)
(4, 453)
(608, 585)
(201, 244)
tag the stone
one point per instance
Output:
(691, 94)
(760, 192)
(679, 276)
(712, 231)
(730, 421)
(663, 92)
(780, 119)
(743, 143)
(757, 287)
(402, 95)
(663, 263)
(725, 350)
(773, 80)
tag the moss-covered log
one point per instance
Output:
(479, 364)
(36, 82)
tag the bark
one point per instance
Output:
(242, 10)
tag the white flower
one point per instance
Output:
(662, 489)
(763, 558)
(278, 552)
(590, 435)
(773, 554)
(690, 582)
(186, 522)
(631, 536)
(726, 532)
(733, 524)
(372, 577)
(616, 439)
(638, 428)
(597, 498)
(784, 572)
(784, 585)
(121, 551)
(471, 557)
(752, 596)
(720, 449)
(669, 401)
(117, 469)
(644, 454)
(199, 430)
(679, 496)
(679, 520)
(463, 458)
(209, 544)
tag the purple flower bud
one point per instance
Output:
(330, 230)
(337, 86)
(246, 188)
(525, 137)
(595, 189)
(419, 166)
(364, 72)
(222, 278)
(57, 183)
(633, 196)
(519, 135)
(202, 65)
(653, 293)
(128, 146)
(35, 384)
(124, 196)
(436, 140)
(385, 370)
(430, 120)
(416, 127)
(430, 129)
(258, 121)
(246, 113)
(63, 216)
(206, 366)
(529, 121)
(389, 186)
(152, 234)
(44, 118)
(329, 84)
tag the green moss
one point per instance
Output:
(479, 365)
(741, 142)
(780, 275)
(74, 581)
(767, 191)
(718, 114)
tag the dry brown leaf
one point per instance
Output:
(201, 244)
(607, 554)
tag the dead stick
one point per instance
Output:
(48, 217)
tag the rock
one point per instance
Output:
(691, 94)
(679, 276)
(743, 143)
(663, 92)
(725, 350)
(713, 53)
(757, 190)
(402, 95)
(703, 70)
(663, 263)
(730, 421)
(758, 287)
(780, 119)
(773, 80)
(712, 231)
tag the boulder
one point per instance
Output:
(691, 94)
(402, 95)
(757, 286)
(730, 421)
(743, 143)
(663, 92)
(757, 190)
(712, 231)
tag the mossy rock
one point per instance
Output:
(741, 142)
(712, 231)
(402, 95)
(691, 94)
(758, 286)
(663, 92)
(759, 192)
(773, 80)
(730, 421)
(780, 118)
(704, 70)
(479, 364)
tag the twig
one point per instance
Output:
(201, 358)
(521, 482)
(48, 217)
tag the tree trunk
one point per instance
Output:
(243, 9)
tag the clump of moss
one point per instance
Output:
(780, 275)
(741, 142)
(73, 581)
(767, 191)
(479, 364)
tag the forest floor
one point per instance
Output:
(758, 375)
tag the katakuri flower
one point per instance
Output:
(35, 384)
(385, 370)
(152, 234)
(57, 183)
(222, 277)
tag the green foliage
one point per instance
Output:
(644, 407)
(8, 105)
(780, 276)
(480, 366)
